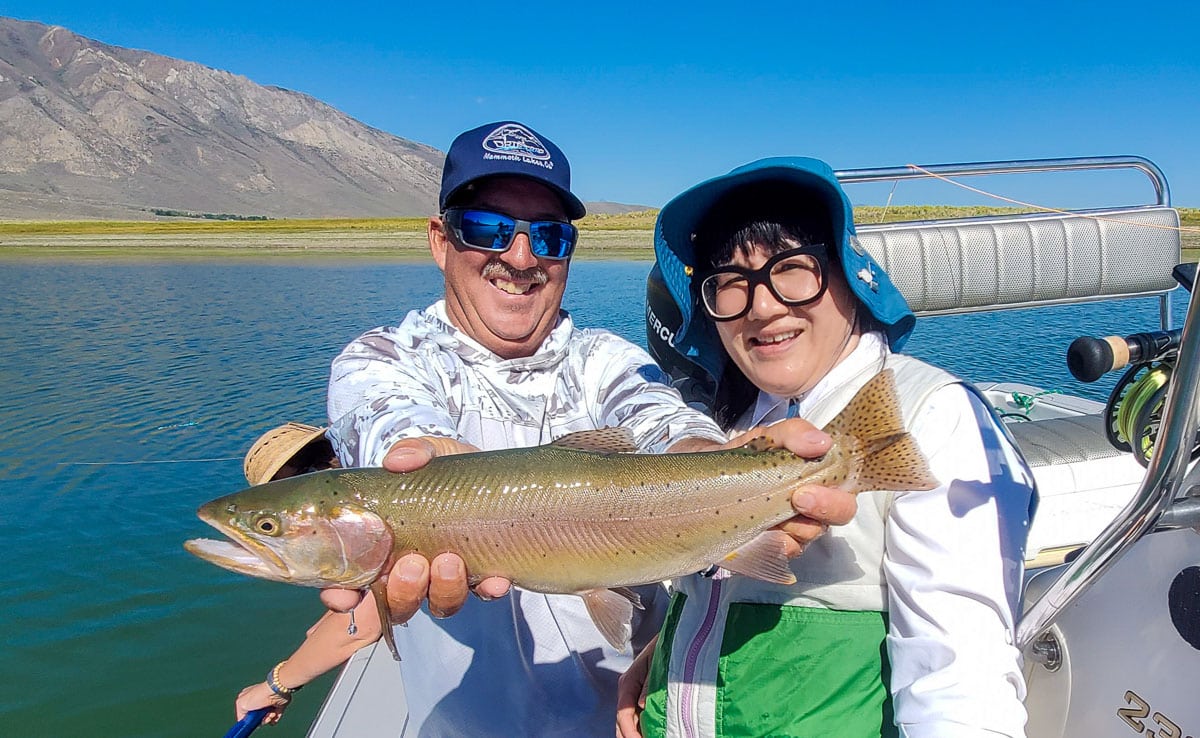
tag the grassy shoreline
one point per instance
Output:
(623, 236)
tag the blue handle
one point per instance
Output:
(246, 725)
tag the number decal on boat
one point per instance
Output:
(1140, 709)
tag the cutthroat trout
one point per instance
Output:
(577, 516)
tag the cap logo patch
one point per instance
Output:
(514, 142)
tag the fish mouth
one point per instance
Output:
(239, 554)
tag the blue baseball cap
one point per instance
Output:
(813, 180)
(508, 149)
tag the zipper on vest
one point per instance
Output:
(687, 697)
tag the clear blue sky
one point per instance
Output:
(648, 98)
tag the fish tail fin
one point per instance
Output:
(891, 459)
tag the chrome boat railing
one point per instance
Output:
(1165, 477)
(1162, 191)
(1023, 166)
(1152, 506)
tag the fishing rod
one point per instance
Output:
(1133, 414)
(248, 724)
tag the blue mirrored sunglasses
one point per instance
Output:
(487, 230)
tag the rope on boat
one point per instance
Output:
(1043, 208)
(1025, 402)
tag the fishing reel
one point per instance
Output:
(1134, 409)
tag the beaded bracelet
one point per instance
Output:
(276, 687)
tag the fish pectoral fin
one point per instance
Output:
(612, 612)
(763, 558)
(634, 598)
(379, 589)
(611, 440)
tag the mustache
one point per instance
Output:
(500, 270)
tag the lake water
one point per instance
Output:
(131, 392)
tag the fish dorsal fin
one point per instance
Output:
(891, 459)
(763, 558)
(612, 612)
(611, 440)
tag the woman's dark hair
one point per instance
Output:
(774, 216)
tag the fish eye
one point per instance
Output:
(267, 525)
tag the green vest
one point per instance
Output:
(834, 662)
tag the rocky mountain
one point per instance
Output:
(89, 130)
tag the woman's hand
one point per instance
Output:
(631, 693)
(261, 695)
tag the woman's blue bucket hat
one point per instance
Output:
(673, 247)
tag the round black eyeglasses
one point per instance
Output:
(795, 277)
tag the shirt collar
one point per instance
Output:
(769, 408)
(471, 351)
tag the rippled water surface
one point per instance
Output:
(130, 393)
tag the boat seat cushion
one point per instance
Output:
(1027, 259)
(1068, 440)
(1083, 482)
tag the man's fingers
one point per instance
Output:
(795, 434)
(801, 531)
(408, 455)
(492, 588)
(801, 438)
(341, 600)
(447, 585)
(407, 585)
(825, 504)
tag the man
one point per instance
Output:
(497, 365)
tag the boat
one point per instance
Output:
(1110, 629)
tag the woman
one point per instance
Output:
(900, 623)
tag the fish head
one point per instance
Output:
(288, 531)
